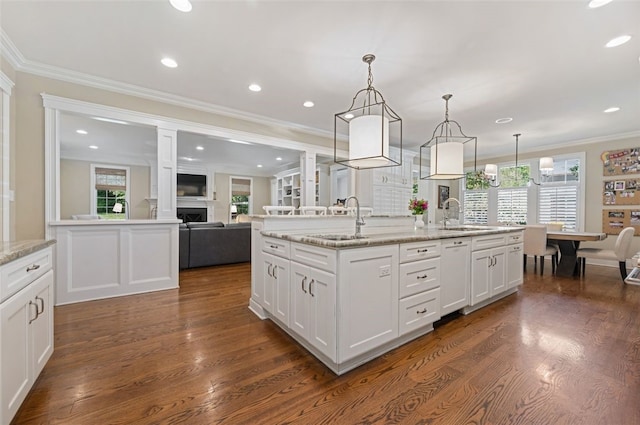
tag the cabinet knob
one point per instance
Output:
(423, 311)
(33, 267)
(457, 242)
(424, 276)
(273, 246)
(423, 250)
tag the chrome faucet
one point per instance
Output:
(446, 210)
(359, 220)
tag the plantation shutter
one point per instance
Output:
(559, 204)
(111, 179)
(476, 206)
(512, 205)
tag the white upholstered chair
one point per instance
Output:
(278, 210)
(620, 252)
(309, 210)
(335, 210)
(535, 243)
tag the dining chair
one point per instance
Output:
(336, 210)
(620, 252)
(535, 243)
(364, 211)
(278, 210)
(311, 210)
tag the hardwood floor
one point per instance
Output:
(561, 351)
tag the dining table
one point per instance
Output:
(569, 242)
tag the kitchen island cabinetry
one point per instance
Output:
(455, 260)
(26, 326)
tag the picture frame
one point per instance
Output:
(443, 195)
(619, 185)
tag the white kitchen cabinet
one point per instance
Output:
(419, 310)
(26, 341)
(488, 271)
(514, 265)
(276, 286)
(312, 307)
(367, 294)
(455, 278)
(257, 270)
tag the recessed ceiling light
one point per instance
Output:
(200, 148)
(81, 131)
(612, 109)
(597, 3)
(185, 5)
(504, 120)
(169, 63)
(259, 165)
(618, 41)
(110, 120)
(93, 147)
(240, 142)
(348, 116)
(278, 159)
(187, 158)
(308, 104)
(255, 87)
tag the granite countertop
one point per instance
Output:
(401, 235)
(13, 250)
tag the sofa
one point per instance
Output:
(214, 243)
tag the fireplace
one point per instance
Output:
(192, 214)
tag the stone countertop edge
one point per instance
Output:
(13, 250)
(387, 239)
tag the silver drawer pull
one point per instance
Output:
(421, 311)
(423, 250)
(457, 243)
(33, 267)
(424, 276)
(273, 246)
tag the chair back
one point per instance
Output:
(623, 243)
(311, 210)
(535, 239)
(554, 227)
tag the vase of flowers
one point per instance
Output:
(418, 207)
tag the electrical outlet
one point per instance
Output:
(385, 271)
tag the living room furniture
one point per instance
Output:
(214, 243)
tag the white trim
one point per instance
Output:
(231, 192)
(5, 190)
(5, 83)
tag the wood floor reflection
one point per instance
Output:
(561, 351)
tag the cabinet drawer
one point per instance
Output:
(276, 246)
(321, 258)
(419, 310)
(489, 241)
(515, 248)
(19, 273)
(419, 250)
(513, 238)
(419, 276)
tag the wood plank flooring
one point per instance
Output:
(561, 351)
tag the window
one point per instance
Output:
(240, 196)
(559, 194)
(512, 194)
(476, 199)
(110, 187)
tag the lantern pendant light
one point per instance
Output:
(372, 127)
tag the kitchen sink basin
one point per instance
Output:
(337, 237)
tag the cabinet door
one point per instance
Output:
(15, 351)
(368, 299)
(299, 284)
(42, 327)
(268, 281)
(280, 274)
(257, 272)
(498, 271)
(514, 265)
(480, 275)
(322, 311)
(455, 277)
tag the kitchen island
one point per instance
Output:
(348, 300)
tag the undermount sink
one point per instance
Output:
(337, 237)
(465, 228)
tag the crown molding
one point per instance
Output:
(20, 63)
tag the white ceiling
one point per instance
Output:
(541, 62)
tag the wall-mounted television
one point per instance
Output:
(191, 185)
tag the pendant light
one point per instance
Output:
(446, 149)
(491, 170)
(372, 127)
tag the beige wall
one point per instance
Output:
(260, 196)
(27, 135)
(75, 189)
(593, 175)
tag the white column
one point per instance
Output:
(167, 164)
(308, 178)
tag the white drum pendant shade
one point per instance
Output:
(491, 170)
(369, 140)
(447, 160)
(546, 164)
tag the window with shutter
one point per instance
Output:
(476, 206)
(558, 196)
(512, 206)
(110, 188)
